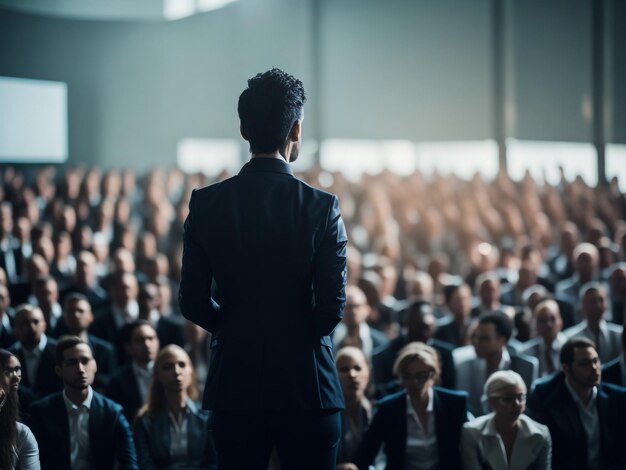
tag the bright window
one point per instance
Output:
(616, 164)
(209, 156)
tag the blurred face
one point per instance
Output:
(29, 326)
(421, 326)
(144, 344)
(585, 371)
(509, 403)
(549, 322)
(77, 316)
(585, 265)
(594, 305)
(126, 290)
(5, 298)
(486, 340)
(47, 294)
(354, 376)
(416, 377)
(11, 375)
(356, 310)
(489, 292)
(618, 282)
(78, 367)
(174, 371)
(461, 302)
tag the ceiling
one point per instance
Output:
(116, 10)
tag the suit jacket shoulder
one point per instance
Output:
(612, 372)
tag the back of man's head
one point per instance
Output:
(269, 108)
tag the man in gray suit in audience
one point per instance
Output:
(605, 335)
(488, 354)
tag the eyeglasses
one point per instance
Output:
(15, 370)
(508, 400)
(421, 376)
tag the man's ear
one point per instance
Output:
(294, 135)
(242, 132)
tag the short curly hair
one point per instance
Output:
(269, 108)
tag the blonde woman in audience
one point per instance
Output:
(420, 426)
(170, 430)
(506, 439)
(354, 375)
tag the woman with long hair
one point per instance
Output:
(18, 447)
(170, 430)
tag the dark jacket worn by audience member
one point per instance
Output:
(152, 436)
(551, 404)
(123, 389)
(46, 380)
(389, 427)
(110, 437)
(612, 372)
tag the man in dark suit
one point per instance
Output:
(585, 417)
(35, 351)
(79, 428)
(276, 249)
(420, 326)
(76, 319)
(129, 385)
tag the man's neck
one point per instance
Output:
(584, 393)
(77, 395)
(594, 327)
(276, 155)
(493, 362)
(353, 330)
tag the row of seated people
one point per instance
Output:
(573, 419)
(79, 428)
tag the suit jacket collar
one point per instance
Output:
(273, 165)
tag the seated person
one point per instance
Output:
(18, 447)
(129, 386)
(547, 344)
(505, 438)
(420, 426)
(585, 418)
(35, 351)
(79, 428)
(171, 431)
(76, 319)
(354, 375)
(488, 355)
(605, 335)
(454, 328)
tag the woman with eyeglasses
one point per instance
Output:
(18, 447)
(420, 426)
(506, 439)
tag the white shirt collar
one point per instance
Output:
(141, 371)
(70, 406)
(429, 407)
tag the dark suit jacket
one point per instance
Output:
(551, 404)
(612, 372)
(46, 380)
(276, 248)
(389, 428)
(110, 437)
(6, 335)
(123, 389)
(382, 363)
(152, 436)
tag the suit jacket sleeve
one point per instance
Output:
(194, 295)
(330, 273)
(124, 444)
(143, 444)
(469, 449)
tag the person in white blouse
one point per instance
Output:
(170, 430)
(505, 439)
